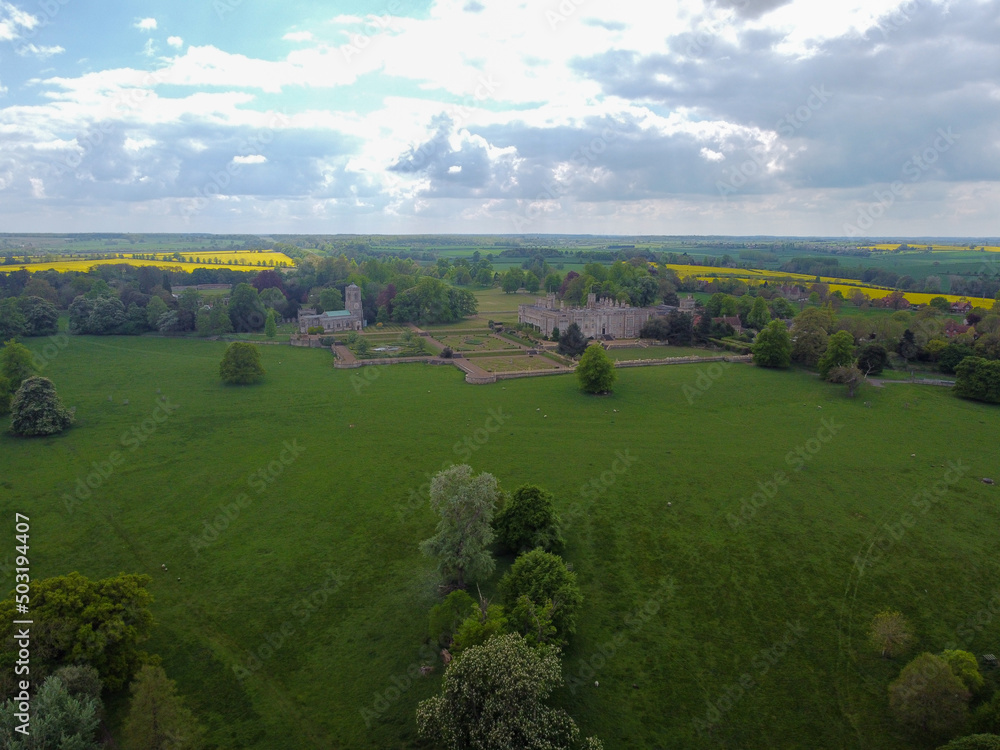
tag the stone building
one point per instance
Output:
(601, 317)
(351, 319)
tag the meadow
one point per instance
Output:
(289, 516)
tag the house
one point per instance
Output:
(962, 307)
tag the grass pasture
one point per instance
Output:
(333, 465)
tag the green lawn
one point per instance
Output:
(645, 480)
(477, 342)
(661, 352)
(495, 300)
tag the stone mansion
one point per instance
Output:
(351, 319)
(601, 317)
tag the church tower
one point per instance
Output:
(352, 302)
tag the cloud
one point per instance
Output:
(251, 159)
(175, 41)
(298, 36)
(41, 52)
(14, 22)
(146, 24)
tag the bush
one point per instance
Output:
(36, 409)
(928, 699)
(446, 617)
(974, 742)
(313, 330)
(447, 352)
(241, 364)
(978, 379)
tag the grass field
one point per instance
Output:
(478, 342)
(659, 352)
(645, 492)
(496, 300)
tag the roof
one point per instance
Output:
(337, 313)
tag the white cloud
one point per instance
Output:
(149, 49)
(251, 159)
(146, 24)
(175, 41)
(41, 53)
(135, 145)
(13, 21)
(298, 36)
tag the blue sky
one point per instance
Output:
(785, 117)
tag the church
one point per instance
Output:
(351, 319)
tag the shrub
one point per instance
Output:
(313, 330)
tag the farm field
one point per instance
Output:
(238, 260)
(714, 599)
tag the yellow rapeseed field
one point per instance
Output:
(238, 260)
(935, 248)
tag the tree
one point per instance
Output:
(543, 578)
(241, 364)
(79, 314)
(157, 718)
(219, 322)
(873, 359)
(773, 346)
(966, 668)
(759, 315)
(782, 308)
(849, 376)
(446, 617)
(493, 696)
(41, 318)
(809, 336)
(155, 308)
(529, 520)
(107, 315)
(36, 409)
(59, 720)
(890, 632)
(270, 327)
(839, 353)
(571, 342)
(246, 312)
(978, 379)
(941, 304)
(97, 623)
(929, 700)
(330, 299)
(486, 621)
(531, 282)
(12, 322)
(466, 503)
(17, 364)
(596, 372)
(952, 354)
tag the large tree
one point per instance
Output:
(101, 623)
(157, 717)
(241, 364)
(596, 372)
(929, 700)
(809, 336)
(466, 503)
(493, 698)
(978, 379)
(773, 346)
(873, 359)
(246, 312)
(839, 353)
(543, 577)
(60, 720)
(529, 520)
(759, 315)
(41, 318)
(17, 364)
(12, 322)
(36, 409)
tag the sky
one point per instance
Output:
(736, 117)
